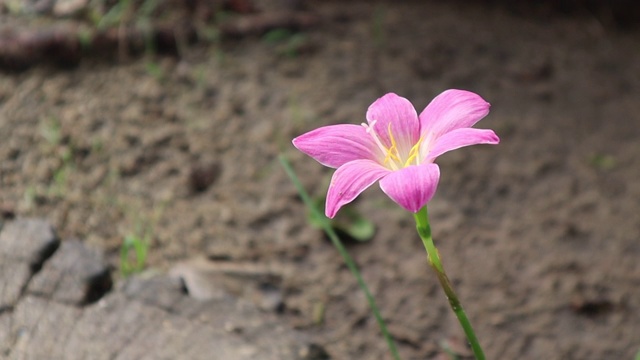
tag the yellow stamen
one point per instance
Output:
(392, 152)
(413, 153)
(393, 159)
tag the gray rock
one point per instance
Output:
(24, 246)
(205, 279)
(148, 316)
(158, 291)
(40, 329)
(28, 240)
(126, 324)
(75, 274)
(13, 277)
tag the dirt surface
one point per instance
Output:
(539, 234)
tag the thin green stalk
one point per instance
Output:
(424, 230)
(345, 255)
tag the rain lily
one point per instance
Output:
(396, 146)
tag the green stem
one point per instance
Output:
(326, 225)
(424, 230)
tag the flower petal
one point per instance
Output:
(336, 145)
(453, 109)
(349, 181)
(397, 112)
(460, 138)
(413, 186)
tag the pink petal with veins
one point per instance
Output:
(453, 109)
(397, 112)
(349, 181)
(336, 145)
(412, 187)
(458, 138)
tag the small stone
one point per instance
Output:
(202, 176)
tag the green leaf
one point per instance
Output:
(360, 229)
(349, 221)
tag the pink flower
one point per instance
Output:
(397, 147)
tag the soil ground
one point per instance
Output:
(540, 234)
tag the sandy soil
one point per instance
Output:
(540, 235)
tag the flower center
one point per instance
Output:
(393, 158)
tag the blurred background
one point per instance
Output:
(156, 125)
